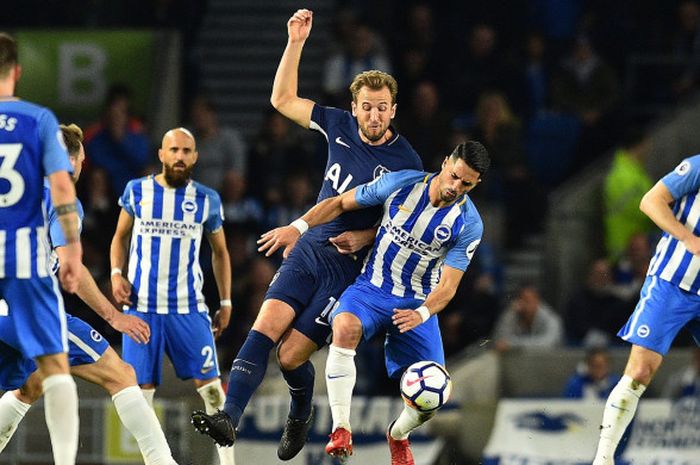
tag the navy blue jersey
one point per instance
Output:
(352, 162)
(31, 147)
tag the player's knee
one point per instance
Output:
(642, 373)
(118, 376)
(347, 330)
(288, 359)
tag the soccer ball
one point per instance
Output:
(426, 386)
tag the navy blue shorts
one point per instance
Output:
(311, 280)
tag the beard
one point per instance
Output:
(373, 137)
(176, 178)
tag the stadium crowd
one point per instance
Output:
(546, 94)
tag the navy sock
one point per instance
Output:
(301, 388)
(247, 372)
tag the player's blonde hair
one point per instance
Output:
(375, 80)
(73, 137)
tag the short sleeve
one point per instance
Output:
(685, 178)
(377, 191)
(215, 215)
(126, 201)
(461, 253)
(55, 155)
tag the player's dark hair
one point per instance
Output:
(73, 137)
(474, 154)
(375, 80)
(8, 53)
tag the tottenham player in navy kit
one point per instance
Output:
(361, 147)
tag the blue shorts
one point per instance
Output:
(32, 317)
(85, 345)
(663, 309)
(186, 338)
(375, 307)
(311, 280)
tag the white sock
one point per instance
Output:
(214, 397)
(408, 420)
(340, 381)
(12, 410)
(141, 421)
(149, 394)
(619, 411)
(61, 408)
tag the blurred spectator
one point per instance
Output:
(101, 211)
(361, 53)
(592, 380)
(595, 313)
(587, 87)
(277, 150)
(558, 20)
(528, 323)
(221, 149)
(470, 73)
(240, 209)
(686, 46)
(298, 198)
(631, 269)
(118, 143)
(686, 382)
(625, 184)
(532, 89)
(426, 125)
(510, 180)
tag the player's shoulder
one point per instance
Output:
(205, 190)
(137, 182)
(332, 115)
(409, 153)
(687, 165)
(470, 214)
(403, 178)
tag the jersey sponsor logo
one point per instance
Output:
(643, 331)
(168, 228)
(380, 170)
(404, 239)
(189, 206)
(443, 233)
(683, 168)
(339, 141)
(471, 248)
(334, 175)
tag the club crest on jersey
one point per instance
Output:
(189, 206)
(379, 171)
(443, 233)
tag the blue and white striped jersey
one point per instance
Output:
(415, 238)
(31, 147)
(672, 262)
(56, 236)
(167, 234)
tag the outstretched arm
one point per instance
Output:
(284, 90)
(63, 197)
(323, 212)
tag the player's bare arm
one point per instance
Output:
(221, 265)
(90, 293)
(407, 319)
(323, 212)
(284, 90)
(121, 288)
(350, 242)
(656, 204)
(63, 197)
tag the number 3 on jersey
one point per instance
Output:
(9, 153)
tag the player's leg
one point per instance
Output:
(146, 359)
(662, 311)
(37, 318)
(402, 350)
(293, 355)
(119, 380)
(352, 319)
(15, 403)
(213, 395)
